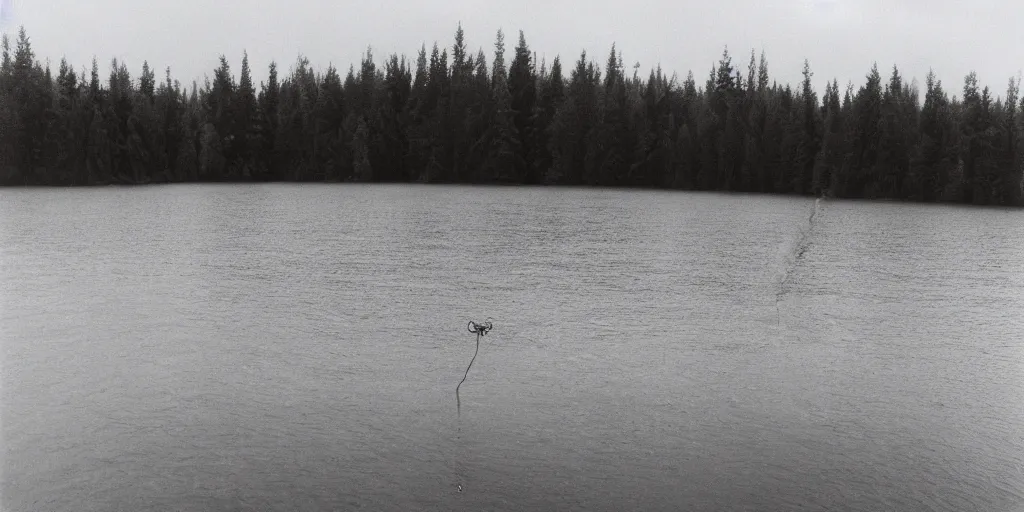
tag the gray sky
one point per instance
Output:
(841, 38)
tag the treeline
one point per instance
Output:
(453, 117)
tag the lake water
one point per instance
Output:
(284, 347)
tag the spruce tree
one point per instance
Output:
(460, 101)
(522, 88)
(505, 156)
(551, 95)
(245, 135)
(420, 111)
(810, 142)
(394, 119)
(269, 102)
(829, 157)
(867, 113)
(329, 126)
(976, 143)
(1009, 163)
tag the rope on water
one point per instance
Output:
(480, 330)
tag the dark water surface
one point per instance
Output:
(297, 348)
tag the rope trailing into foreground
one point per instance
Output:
(479, 330)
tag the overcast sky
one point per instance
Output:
(841, 38)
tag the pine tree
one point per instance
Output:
(245, 134)
(810, 142)
(609, 151)
(551, 96)
(191, 124)
(1009, 162)
(269, 102)
(932, 150)
(9, 130)
(725, 86)
(987, 182)
(1016, 180)
(460, 101)
(867, 113)
(762, 75)
(330, 137)
(522, 88)
(6, 63)
(218, 134)
(752, 79)
(439, 125)
(394, 120)
(655, 159)
(64, 145)
(829, 157)
(977, 142)
(420, 112)
(505, 155)
(94, 83)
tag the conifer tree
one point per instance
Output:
(331, 135)
(393, 119)
(829, 157)
(810, 142)
(522, 83)
(550, 99)
(1009, 163)
(867, 113)
(505, 156)
(245, 124)
(420, 111)
(147, 82)
(460, 95)
(269, 102)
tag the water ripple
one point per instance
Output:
(286, 347)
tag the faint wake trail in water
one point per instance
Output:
(793, 258)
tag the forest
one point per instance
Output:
(453, 117)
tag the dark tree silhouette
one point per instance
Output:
(453, 118)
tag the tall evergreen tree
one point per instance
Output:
(976, 142)
(394, 138)
(1009, 162)
(609, 151)
(550, 99)
(867, 114)
(810, 141)
(460, 100)
(269, 102)
(331, 136)
(505, 159)
(570, 128)
(522, 86)
(147, 82)
(245, 135)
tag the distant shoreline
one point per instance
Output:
(506, 185)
